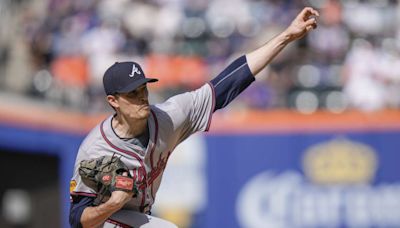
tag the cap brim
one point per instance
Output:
(134, 85)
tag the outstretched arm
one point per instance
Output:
(240, 73)
(300, 26)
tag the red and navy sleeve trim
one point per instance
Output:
(212, 107)
(83, 194)
(231, 82)
(78, 204)
(118, 224)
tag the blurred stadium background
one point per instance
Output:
(312, 143)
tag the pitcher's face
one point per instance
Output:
(134, 105)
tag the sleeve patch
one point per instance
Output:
(72, 186)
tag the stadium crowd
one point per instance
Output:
(57, 50)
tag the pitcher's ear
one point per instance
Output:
(113, 101)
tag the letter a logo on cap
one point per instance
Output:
(135, 70)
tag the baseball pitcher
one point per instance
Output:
(120, 164)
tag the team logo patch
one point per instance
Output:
(72, 186)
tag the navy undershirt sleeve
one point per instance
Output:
(231, 82)
(77, 206)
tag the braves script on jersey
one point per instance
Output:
(169, 124)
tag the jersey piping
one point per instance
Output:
(143, 186)
(155, 138)
(212, 106)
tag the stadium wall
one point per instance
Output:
(279, 168)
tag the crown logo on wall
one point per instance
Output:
(340, 161)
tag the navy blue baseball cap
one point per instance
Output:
(124, 77)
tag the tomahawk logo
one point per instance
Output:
(135, 70)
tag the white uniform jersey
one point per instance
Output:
(169, 124)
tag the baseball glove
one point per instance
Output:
(105, 175)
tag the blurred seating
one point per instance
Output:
(187, 43)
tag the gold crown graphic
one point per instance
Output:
(340, 161)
